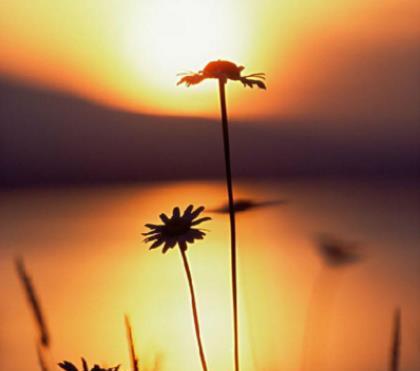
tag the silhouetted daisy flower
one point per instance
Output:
(223, 70)
(68, 366)
(179, 229)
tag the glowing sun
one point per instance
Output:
(167, 37)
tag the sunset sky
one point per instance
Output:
(323, 59)
(97, 140)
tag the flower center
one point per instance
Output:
(177, 227)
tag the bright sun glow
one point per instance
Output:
(171, 36)
(168, 37)
(127, 54)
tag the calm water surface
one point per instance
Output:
(84, 250)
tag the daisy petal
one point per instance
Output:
(200, 235)
(164, 218)
(157, 243)
(188, 211)
(176, 213)
(152, 238)
(197, 212)
(165, 248)
(149, 233)
(189, 237)
(201, 220)
(152, 226)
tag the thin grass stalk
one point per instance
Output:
(133, 357)
(226, 144)
(85, 365)
(194, 309)
(396, 343)
(34, 302)
(41, 359)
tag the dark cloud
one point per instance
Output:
(46, 137)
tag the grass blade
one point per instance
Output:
(132, 351)
(396, 343)
(33, 302)
(41, 360)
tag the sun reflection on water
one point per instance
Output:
(84, 250)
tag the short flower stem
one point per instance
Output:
(225, 128)
(194, 309)
(396, 343)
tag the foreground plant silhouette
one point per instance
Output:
(68, 366)
(179, 230)
(44, 340)
(394, 363)
(224, 71)
(132, 351)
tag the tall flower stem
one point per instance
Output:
(396, 343)
(222, 83)
(194, 309)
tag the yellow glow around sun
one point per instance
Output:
(171, 36)
(167, 37)
(126, 54)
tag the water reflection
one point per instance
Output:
(84, 248)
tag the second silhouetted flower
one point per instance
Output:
(178, 229)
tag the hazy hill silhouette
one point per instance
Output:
(55, 138)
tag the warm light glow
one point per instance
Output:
(167, 37)
(85, 254)
(127, 54)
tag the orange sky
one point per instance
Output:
(322, 58)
